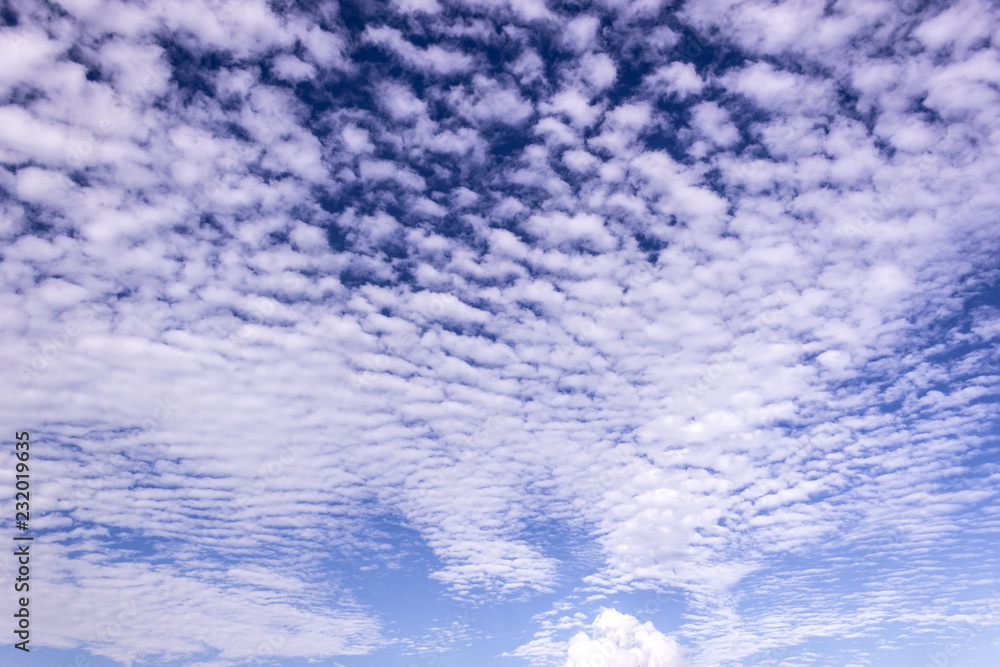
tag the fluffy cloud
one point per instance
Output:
(433, 58)
(620, 640)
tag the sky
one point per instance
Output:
(502, 333)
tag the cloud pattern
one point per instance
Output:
(707, 289)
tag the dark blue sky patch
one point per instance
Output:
(849, 101)
(499, 51)
(208, 222)
(332, 92)
(378, 62)
(80, 178)
(356, 14)
(77, 54)
(358, 274)
(192, 71)
(695, 48)
(23, 95)
(8, 15)
(453, 227)
(237, 131)
(40, 219)
(650, 244)
(668, 136)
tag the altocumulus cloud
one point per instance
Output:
(347, 329)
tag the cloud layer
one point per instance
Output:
(707, 290)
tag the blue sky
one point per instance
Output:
(504, 332)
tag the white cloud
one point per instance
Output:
(679, 79)
(432, 59)
(598, 69)
(490, 101)
(620, 640)
(326, 48)
(714, 123)
(575, 105)
(961, 25)
(24, 51)
(528, 67)
(429, 207)
(766, 85)
(400, 101)
(581, 32)
(556, 132)
(531, 10)
(579, 160)
(378, 170)
(292, 69)
(700, 361)
(418, 6)
(356, 139)
(560, 229)
(621, 127)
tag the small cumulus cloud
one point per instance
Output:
(620, 640)
(434, 58)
